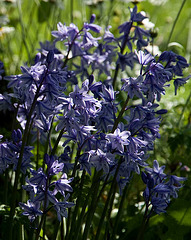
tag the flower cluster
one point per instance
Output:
(160, 187)
(77, 104)
(10, 152)
(43, 191)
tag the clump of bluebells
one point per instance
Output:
(68, 103)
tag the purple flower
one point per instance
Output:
(61, 207)
(157, 172)
(179, 82)
(62, 32)
(31, 210)
(118, 139)
(143, 58)
(135, 16)
(62, 185)
(39, 178)
(126, 60)
(160, 187)
(102, 160)
(133, 86)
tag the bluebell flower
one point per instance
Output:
(179, 82)
(62, 32)
(5, 103)
(66, 159)
(125, 27)
(118, 139)
(61, 207)
(160, 187)
(101, 160)
(89, 41)
(84, 161)
(40, 187)
(91, 26)
(157, 172)
(159, 205)
(144, 58)
(54, 167)
(44, 123)
(62, 185)
(133, 87)
(17, 135)
(108, 36)
(31, 210)
(103, 120)
(135, 16)
(174, 62)
(126, 60)
(6, 157)
(39, 178)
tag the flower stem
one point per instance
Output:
(91, 209)
(120, 115)
(107, 202)
(118, 217)
(108, 223)
(72, 232)
(175, 21)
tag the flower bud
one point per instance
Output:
(92, 19)
(50, 56)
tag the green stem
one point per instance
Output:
(107, 202)
(143, 228)
(81, 217)
(108, 223)
(91, 209)
(44, 227)
(175, 21)
(183, 110)
(72, 229)
(57, 142)
(37, 149)
(120, 114)
(6, 186)
(145, 221)
(103, 187)
(120, 209)
(62, 229)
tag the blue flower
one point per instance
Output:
(62, 32)
(160, 187)
(126, 60)
(133, 86)
(179, 82)
(61, 207)
(102, 160)
(118, 139)
(157, 172)
(144, 58)
(135, 16)
(62, 185)
(31, 210)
